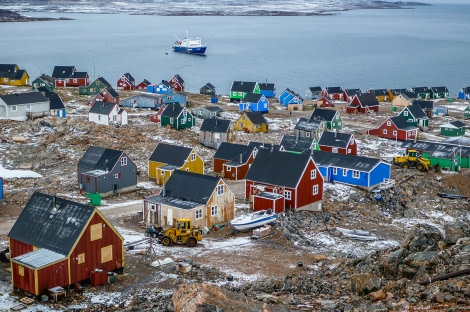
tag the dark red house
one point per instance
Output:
(336, 142)
(396, 128)
(143, 85)
(333, 93)
(363, 103)
(232, 161)
(67, 76)
(324, 102)
(268, 200)
(108, 95)
(125, 82)
(295, 176)
(177, 83)
(156, 117)
(56, 242)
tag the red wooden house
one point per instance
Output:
(295, 176)
(177, 83)
(125, 82)
(396, 128)
(333, 93)
(335, 142)
(363, 103)
(232, 161)
(67, 76)
(56, 243)
(143, 85)
(156, 117)
(324, 102)
(268, 200)
(108, 95)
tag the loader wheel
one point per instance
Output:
(166, 241)
(405, 165)
(420, 167)
(192, 242)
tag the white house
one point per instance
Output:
(105, 113)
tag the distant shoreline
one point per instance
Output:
(10, 16)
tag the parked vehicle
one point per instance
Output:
(183, 233)
(412, 159)
(253, 220)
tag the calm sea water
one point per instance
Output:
(425, 46)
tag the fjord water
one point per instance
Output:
(398, 48)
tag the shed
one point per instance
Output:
(214, 132)
(454, 128)
(267, 89)
(208, 89)
(269, 200)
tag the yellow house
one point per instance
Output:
(11, 75)
(401, 100)
(167, 158)
(252, 122)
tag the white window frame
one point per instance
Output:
(405, 113)
(117, 175)
(307, 134)
(153, 208)
(315, 190)
(220, 190)
(287, 195)
(214, 210)
(356, 174)
(229, 168)
(389, 123)
(335, 171)
(198, 214)
(395, 133)
(313, 174)
(334, 150)
(124, 161)
(385, 131)
(193, 156)
(14, 108)
(345, 172)
(28, 107)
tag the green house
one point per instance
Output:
(177, 117)
(415, 116)
(298, 145)
(438, 92)
(454, 128)
(44, 83)
(240, 89)
(330, 117)
(95, 87)
(466, 112)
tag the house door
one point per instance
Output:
(115, 187)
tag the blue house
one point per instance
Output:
(360, 171)
(267, 89)
(1, 188)
(286, 93)
(57, 107)
(464, 94)
(290, 97)
(163, 87)
(255, 103)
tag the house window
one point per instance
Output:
(355, 174)
(117, 175)
(213, 210)
(228, 168)
(315, 190)
(334, 150)
(198, 214)
(171, 120)
(87, 179)
(193, 156)
(345, 172)
(28, 106)
(288, 195)
(124, 161)
(20, 270)
(348, 151)
(99, 117)
(14, 108)
(96, 231)
(389, 123)
(81, 258)
(153, 207)
(183, 121)
(410, 133)
(335, 171)
(385, 131)
(220, 190)
(106, 253)
(405, 113)
(75, 80)
(313, 174)
(395, 133)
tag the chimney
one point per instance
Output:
(106, 164)
(241, 158)
(54, 205)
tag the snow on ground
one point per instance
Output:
(10, 174)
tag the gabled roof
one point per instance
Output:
(398, 91)
(8, 68)
(466, 90)
(209, 86)
(103, 81)
(232, 152)
(172, 110)
(24, 98)
(307, 124)
(315, 89)
(243, 86)
(165, 83)
(102, 108)
(146, 82)
(335, 139)
(351, 162)
(410, 94)
(202, 187)
(278, 168)
(256, 118)
(323, 114)
(401, 123)
(55, 101)
(296, 144)
(367, 99)
(179, 79)
(63, 71)
(215, 125)
(170, 154)
(265, 146)
(214, 109)
(416, 111)
(331, 90)
(99, 158)
(129, 77)
(51, 223)
(267, 86)
(425, 105)
(79, 74)
(252, 97)
(16, 74)
(439, 89)
(46, 78)
(437, 149)
(379, 92)
(111, 91)
(419, 90)
(351, 92)
(456, 124)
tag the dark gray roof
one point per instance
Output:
(103, 81)
(323, 114)
(360, 163)
(57, 230)
(335, 139)
(267, 86)
(99, 158)
(214, 109)
(24, 98)
(145, 81)
(102, 108)
(410, 94)
(398, 91)
(256, 118)
(368, 99)
(172, 110)
(79, 74)
(252, 97)
(416, 111)
(111, 91)
(458, 124)
(315, 89)
(351, 92)
(129, 77)
(179, 79)
(243, 86)
(202, 186)
(165, 83)
(377, 92)
(278, 168)
(296, 144)
(437, 149)
(307, 124)
(170, 154)
(439, 89)
(215, 125)
(8, 67)
(232, 152)
(401, 123)
(56, 101)
(46, 78)
(266, 146)
(209, 86)
(63, 71)
(425, 105)
(332, 90)
(419, 90)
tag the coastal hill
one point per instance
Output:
(10, 16)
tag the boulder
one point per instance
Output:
(363, 284)
(454, 231)
(422, 237)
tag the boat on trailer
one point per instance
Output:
(253, 220)
(189, 45)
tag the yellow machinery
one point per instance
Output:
(183, 233)
(412, 159)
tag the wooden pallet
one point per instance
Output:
(18, 307)
(26, 300)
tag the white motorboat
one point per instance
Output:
(253, 220)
